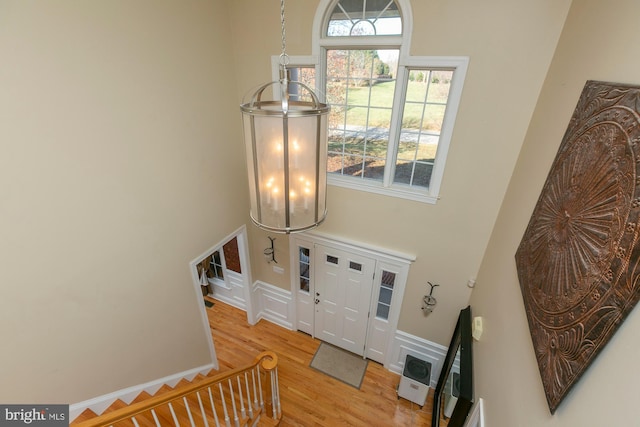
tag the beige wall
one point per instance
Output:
(600, 41)
(117, 145)
(510, 45)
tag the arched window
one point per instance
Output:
(364, 18)
(392, 114)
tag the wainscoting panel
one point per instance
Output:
(404, 343)
(231, 294)
(273, 304)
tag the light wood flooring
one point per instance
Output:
(308, 397)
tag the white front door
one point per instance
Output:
(343, 283)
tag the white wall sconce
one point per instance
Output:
(429, 301)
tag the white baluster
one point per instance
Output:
(202, 411)
(213, 408)
(243, 412)
(233, 404)
(186, 405)
(135, 422)
(155, 418)
(246, 383)
(277, 397)
(255, 393)
(273, 395)
(260, 388)
(224, 407)
(173, 414)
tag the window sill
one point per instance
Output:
(376, 187)
(218, 283)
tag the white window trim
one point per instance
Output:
(406, 62)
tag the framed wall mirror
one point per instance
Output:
(453, 396)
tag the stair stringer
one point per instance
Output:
(100, 403)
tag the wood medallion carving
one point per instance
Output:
(578, 259)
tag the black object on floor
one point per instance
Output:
(208, 303)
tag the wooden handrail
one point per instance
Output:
(267, 360)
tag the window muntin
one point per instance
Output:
(215, 266)
(364, 18)
(427, 94)
(347, 164)
(304, 265)
(360, 90)
(386, 292)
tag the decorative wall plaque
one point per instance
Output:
(578, 261)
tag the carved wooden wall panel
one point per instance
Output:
(578, 260)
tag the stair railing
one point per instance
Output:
(235, 398)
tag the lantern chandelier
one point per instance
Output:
(286, 148)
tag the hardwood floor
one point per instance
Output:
(308, 397)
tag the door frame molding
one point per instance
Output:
(241, 235)
(381, 255)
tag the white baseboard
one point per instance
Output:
(404, 343)
(276, 305)
(100, 403)
(273, 304)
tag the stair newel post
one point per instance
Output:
(269, 363)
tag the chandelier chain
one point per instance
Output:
(284, 54)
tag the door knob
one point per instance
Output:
(317, 300)
(317, 294)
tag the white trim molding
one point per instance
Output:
(476, 415)
(404, 343)
(100, 403)
(273, 304)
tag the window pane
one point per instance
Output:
(440, 85)
(303, 260)
(215, 266)
(422, 174)
(374, 168)
(385, 295)
(388, 279)
(422, 118)
(362, 18)
(305, 75)
(352, 165)
(355, 266)
(332, 259)
(304, 284)
(304, 270)
(383, 311)
(218, 272)
(304, 255)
